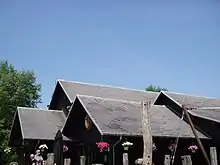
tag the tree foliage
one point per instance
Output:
(17, 88)
(154, 88)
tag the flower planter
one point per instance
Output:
(126, 145)
(43, 147)
(126, 148)
(65, 148)
(103, 146)
(193, 148)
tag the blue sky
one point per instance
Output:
(174, 44)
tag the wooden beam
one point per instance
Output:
(82, 160)
(195, 133)
(213, 156)
(125, 159)
(147, 135)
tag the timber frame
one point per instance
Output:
(115, 114)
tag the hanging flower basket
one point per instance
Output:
(126, 145)
(42, 147)
(193, 148)
(65, 148)
(103, 146)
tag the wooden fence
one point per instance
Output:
(186, 159)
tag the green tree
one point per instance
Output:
(154, 88)
(17, 88)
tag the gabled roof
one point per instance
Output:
(203, 107)
(118, 117)
(39, 124)
(208, 113)
(191, 101)
(73, 88)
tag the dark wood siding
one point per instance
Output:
(59, 100)
(16, 135)
(75, 128)
(209, 127)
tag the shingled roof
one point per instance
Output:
(208, 113)
(118, 117)
(192, 101)
(39, 124)
(73, 88)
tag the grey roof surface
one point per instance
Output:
(39, 123)
(74, 88)
(118, 117)
(193, 101)
(210, 113)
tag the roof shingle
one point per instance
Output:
(118, 117)
(39, 123)
(74, 88)
(193, 101)
(209, 113)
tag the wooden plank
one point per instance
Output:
(125, 159)
(213, 156)
(167, 160)
(147, 135)
(186, 160)
(82, 160)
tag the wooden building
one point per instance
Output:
(89, 113)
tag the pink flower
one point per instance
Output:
(65, 148)
(102, 146)
(192, 147)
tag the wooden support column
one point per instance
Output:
(186, 160)
(67, 161)
(50, 158)
(147, 135)
(213, 156)
(82, 160)
(125, 159)
(167, 160)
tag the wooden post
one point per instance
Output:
(67, 161)
(213, 156)
(167, 160)
(147, 135)
(50, 158)
(186, 160)
(125, 159)
(82, 160)
(44, 162)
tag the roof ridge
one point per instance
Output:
(37, 109)
(202, 108)
(178, 93)
(127, 101)
(104, 98)
(108, 86)
(131, 89)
